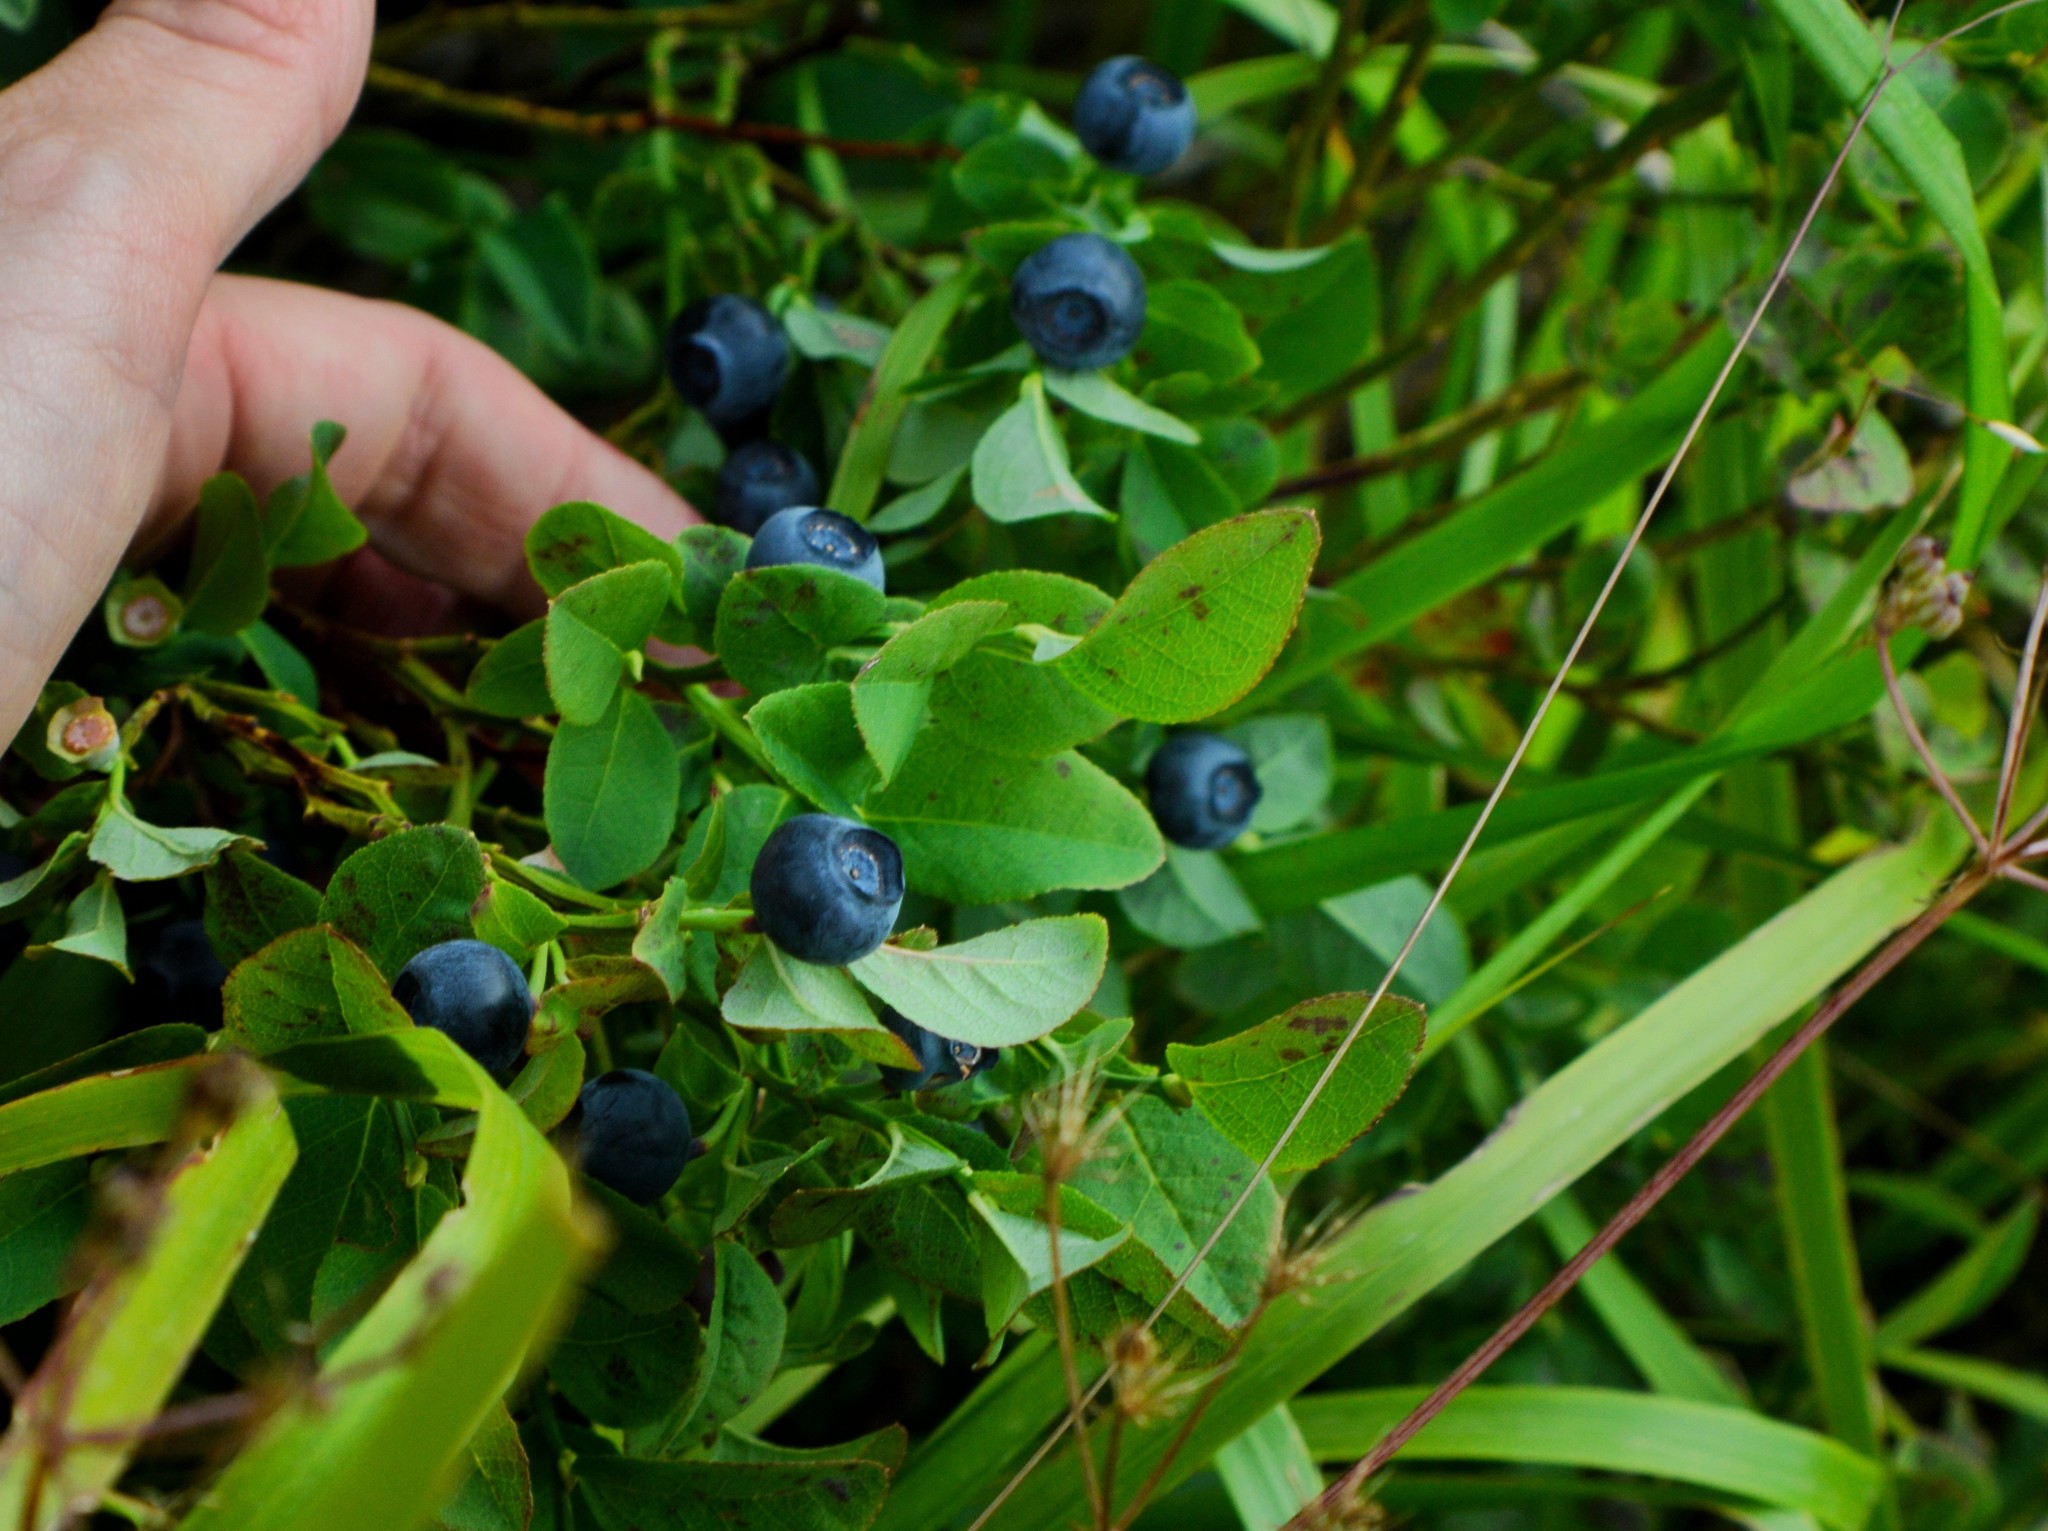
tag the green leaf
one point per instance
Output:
(250, 903)
(284, 667)
(865, 457)
(610, 792)
(1190, 902)
(1203, 622)
(981, 828)
(812, 739)
(745, 1336)
(1250, 1085)
(891, 690)
(1171, 1176)
(95, 927)
(19, 15)
(1113, 1280)
(135, 1331)
(283, 994)
(1382, 917)
(1092, 393)
(360, 990)
(1268, 1472)
(775, 992)
(628, 1495)
(1168, 492)
(20, 887)
(623, 1368)
(514, 920)
(576, 540)
(1678, 1440)
(230, 580)
(1869, 471)
(834, 335)
(546, 265)
(511, 680)
(662, 945)
(411, 890)
(1021, 468)
(1003, 989)
(137, 852)
(712, 555)
(777, 625)
(43, 1213)
(497, 1495)
(304, 521)
(811, 1216)
(592, 626)
(999, 698)
(914, 508)
(1191, 327)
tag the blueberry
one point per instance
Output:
(1079, 301)
(1133, 115)
(760, 479)
(826, 890)
(728, 357)
(179, 978)
(1203, 790)
(633, 1134)
(476, 995)
(805, 534)
(940, 1060)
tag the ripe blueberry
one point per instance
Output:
(179, 978)
(826, 890)
(1133, 115)
(940, 1060)
(728, 357)
(1079, 301)
(474, 993)
(805, 534)
(1202, 790)
(633, 1134)
(761, 478)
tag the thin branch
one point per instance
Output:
(442, 20)
(1356, 199)
(1313, 127)
(2021, 719)
(1063, 1322)
(1893, 953)
(555, 119)
(1921, 748)
(1443, 437)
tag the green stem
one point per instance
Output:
(727, 723)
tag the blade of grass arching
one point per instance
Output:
(1994, 937)
(2025, 1393)
(1402, 1249)
(1967, 1286)
(135, 1328)
(1652, 1340)
(1268, 1471)
(1732, 1451)
(376, 1441)
(1850, 57)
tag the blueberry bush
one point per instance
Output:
(919, 1002)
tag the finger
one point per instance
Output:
(129, 167)
(451, 454)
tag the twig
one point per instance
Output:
(1921, 747)
(1444, 437)
(1356, 198)
(555, 119)
(442, 20)
(2022, 717)
(1313, 126)
(1063, 1322)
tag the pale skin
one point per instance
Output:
(131, 369)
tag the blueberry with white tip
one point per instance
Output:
(761, 479)
(940, 1060)
(633, 1134)
(1134, 115)
(1202, 790)
(728, 356)
(1079, 302)
(476, 995)
(827, 890)
(806, 534)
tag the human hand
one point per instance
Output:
(130, 371)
